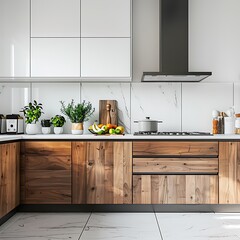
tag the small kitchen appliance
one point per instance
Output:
(14, 124)
(2, 124)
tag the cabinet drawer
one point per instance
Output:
(175, 148)
(47, 148)
(175, 189)
(175, 165)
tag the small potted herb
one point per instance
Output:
(58, 122)
(77, 114)
(32, 112)
(46, 126)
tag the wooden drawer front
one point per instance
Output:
(47, 148)
(175, 165)
(175, 189)
(175, 149)
(33, 162)
(46, 186)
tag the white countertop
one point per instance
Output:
(4, 138)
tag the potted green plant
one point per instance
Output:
(32, 112)
(46, 126)
(58, 122)
(77, 114)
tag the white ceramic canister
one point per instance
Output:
(229, 125)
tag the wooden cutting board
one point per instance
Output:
(108, 112)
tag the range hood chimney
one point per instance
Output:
(174, 45)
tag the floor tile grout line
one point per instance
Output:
(85, 226)
(158, 225)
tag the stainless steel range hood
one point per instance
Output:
(174, 45)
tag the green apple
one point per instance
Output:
(112, 131)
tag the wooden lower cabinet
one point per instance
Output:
(102, 172)
(9, 177)
(175, 148)
(229, 172)
(175, 165)
(46, 173)
(175, 189)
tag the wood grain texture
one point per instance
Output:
(127, 172)
(103, 112)
(229, 172)
(175, 165)
(58, 148)
(47, 187)
(40, 178)
(48, 195)
(175, 189)
(9, 177)
(32, 162)
(108, 173)
(46, 172)
(148, 148)
(79, 174)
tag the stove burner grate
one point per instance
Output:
(172, 134)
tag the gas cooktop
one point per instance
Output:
(172, 134)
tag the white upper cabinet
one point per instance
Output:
(105, 57)
(55, 57)
(105, 18)
(14, 38)
(55, 18)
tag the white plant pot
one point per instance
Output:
(46, 130)
(77, 132)
(77, 128)
(58, 130)
(32, 128)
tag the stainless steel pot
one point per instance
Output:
(148, 125)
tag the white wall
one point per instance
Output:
(145, 37)
(215, 38)
(214, 46)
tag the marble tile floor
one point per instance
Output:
(122, 226)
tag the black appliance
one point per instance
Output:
(174, 45)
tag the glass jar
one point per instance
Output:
(237, 125)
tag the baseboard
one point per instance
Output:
(9, 215)
(231, 208)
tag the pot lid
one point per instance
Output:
(147, 119)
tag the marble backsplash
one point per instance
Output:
(181, 106)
